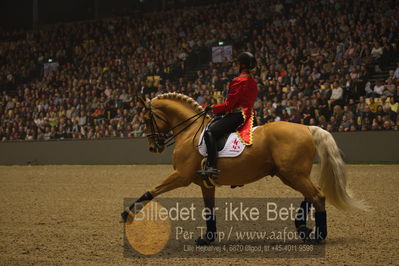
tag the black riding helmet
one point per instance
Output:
(247, 59)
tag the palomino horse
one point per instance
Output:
(283, 149)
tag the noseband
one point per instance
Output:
(156, 134)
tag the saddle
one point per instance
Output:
(229, 145)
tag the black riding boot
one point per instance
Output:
(211, 165)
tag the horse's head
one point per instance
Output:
(168, 115)
(156, 127)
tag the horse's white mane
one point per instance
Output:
(181, 98)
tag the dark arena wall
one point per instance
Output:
(357, 147)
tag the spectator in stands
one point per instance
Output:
(373, 105)
(396, 73)
(378, 89)
(389, 88)
(106, 65)
(394, 108)
(377, 53)
(336, 95)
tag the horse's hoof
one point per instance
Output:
(304, 232)
(202, 242)
(313, 241)
(124, 216)
(308, 236)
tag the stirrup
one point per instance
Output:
(209, 182)
(209, 171)
(208, 174)
(208, 177)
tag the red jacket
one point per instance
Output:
(242, 94)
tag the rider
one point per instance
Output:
(238, 110)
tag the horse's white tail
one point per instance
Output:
(332, 179)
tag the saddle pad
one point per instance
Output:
(232, 148)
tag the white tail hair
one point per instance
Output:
(332, 178)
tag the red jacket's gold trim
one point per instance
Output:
(244, 132)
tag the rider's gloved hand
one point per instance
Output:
(208, 109)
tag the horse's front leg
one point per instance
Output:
(209, 201)
(174, 180)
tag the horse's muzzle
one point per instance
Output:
(156, 149)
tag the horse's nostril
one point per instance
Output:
(151, 149)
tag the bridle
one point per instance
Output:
(166, 139)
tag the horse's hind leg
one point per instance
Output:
(175, 180)
(312, 195)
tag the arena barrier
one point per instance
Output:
(357, 147)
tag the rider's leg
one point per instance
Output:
(210, 142)
(227, 124)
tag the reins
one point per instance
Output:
(169, 139)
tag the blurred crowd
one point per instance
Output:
(82, 80)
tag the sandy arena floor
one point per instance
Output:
(70, 215)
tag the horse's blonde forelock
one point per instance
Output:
(181, 98)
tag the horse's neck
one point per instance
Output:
(176, 114)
